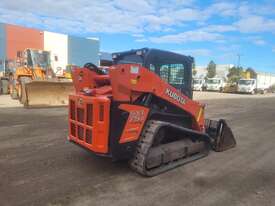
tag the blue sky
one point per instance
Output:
(205, 29)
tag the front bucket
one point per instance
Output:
(45, 93)
(221, 135)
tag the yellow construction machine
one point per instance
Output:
(34, 83)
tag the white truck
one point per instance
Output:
(215, 84)
(261, 84)
(198, 84)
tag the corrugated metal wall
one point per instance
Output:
(2, 46)
(19, 38)
(81, 51)
(57, 44)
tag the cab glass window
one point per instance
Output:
(172, 73)
(176, 74)
(164, 72)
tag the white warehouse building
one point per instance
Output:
(221, 70)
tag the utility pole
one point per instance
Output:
(239, 60)
(4, 66)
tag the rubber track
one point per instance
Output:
(138, 162)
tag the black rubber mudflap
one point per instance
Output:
(221, 135)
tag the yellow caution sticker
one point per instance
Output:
(199, 114)
(133, 81)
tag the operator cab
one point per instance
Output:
(176, 69)
(37, 58)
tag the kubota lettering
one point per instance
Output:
(175, 96)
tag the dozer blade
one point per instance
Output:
(221, 135)
(46, 93)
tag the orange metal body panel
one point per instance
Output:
(128, 83)
(135, 122)
(83, 78)
(19, 38)
(89, 119)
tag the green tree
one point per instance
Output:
(194, 72)
(211, 69)
(235, 74)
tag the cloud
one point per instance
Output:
(222, 9)
(138, 35)
(141, 40)
(257, 40)
(219, 28)
(253, 24)
(273, 49)
(111, 16)
(140, 5)
(170, 21)
(252, 8)
(188, 36)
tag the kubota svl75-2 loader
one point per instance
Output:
(142, 111)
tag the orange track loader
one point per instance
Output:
(142, 111)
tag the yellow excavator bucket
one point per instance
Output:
(46, 93)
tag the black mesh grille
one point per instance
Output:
(73, 129)
(80, 132)
(80, 115)
(89, 114)
(89, 136)
(101, 112)
(72, 109)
